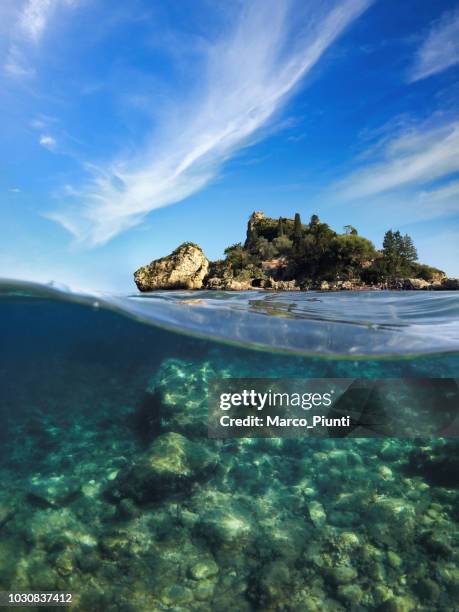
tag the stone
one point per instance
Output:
(64, 563)
(127, 510)
(203, 569)
(317, 514)
(439, 465)
(169, 466)
(350, 593)
(437, 543)
(397, 604)
(176, 595)
(416, 283)
(184, 268)
(225, 526)
(428, 589)
(7, 511)
(275, 582)
(394, 560)
(450, 284)
(282, 285)
(343, 574)
(52, 491)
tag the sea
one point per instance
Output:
(114, 497)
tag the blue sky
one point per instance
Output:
(128, 128)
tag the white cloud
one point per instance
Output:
(31, 22)
(16, 64)
(412, 159)
(15, 190)
(48, 141)
(248, 75)
(440, 50)
(34, 16)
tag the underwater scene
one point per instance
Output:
(112, 490)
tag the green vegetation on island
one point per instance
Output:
(287, 254)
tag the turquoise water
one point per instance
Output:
(111, 489)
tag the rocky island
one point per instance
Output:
(286, 255)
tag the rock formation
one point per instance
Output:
(184, 268)
(167, 466)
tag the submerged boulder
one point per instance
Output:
(184, 268)
(169, 466)
(52, 491)
(439, 465)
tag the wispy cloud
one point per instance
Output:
(34, 16)
(48, 141)
(413, 159)
(440, 50)
(16, 64)
(31, 22)
(248, 74)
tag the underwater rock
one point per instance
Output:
(169, 466)
(7, 511)
(428, 589)
(225, 526)
(397, 604)
(350, 594)
(317, 514)
(183, 389)
(64, 563)
(394, 560)
(439, 465)
(203, 569)
(275, 582)
(343, 574)
(52, 491)
(184, 268)
(127, 510)
(176, 595)
(437, 543)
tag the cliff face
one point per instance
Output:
(184, 268)
(286, 255)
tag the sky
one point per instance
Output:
(127, 128)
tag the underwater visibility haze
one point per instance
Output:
(112, 490)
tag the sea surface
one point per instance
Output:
(111, 489)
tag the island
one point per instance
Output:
(287, 255)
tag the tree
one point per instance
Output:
(297, 230)
(350, 230)
(237, 257)
(283, 245)
(314, 256)
(314, 220)
(399, 253)
(352, 252)
(408, 250)
(280, 227)
(265, 249)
